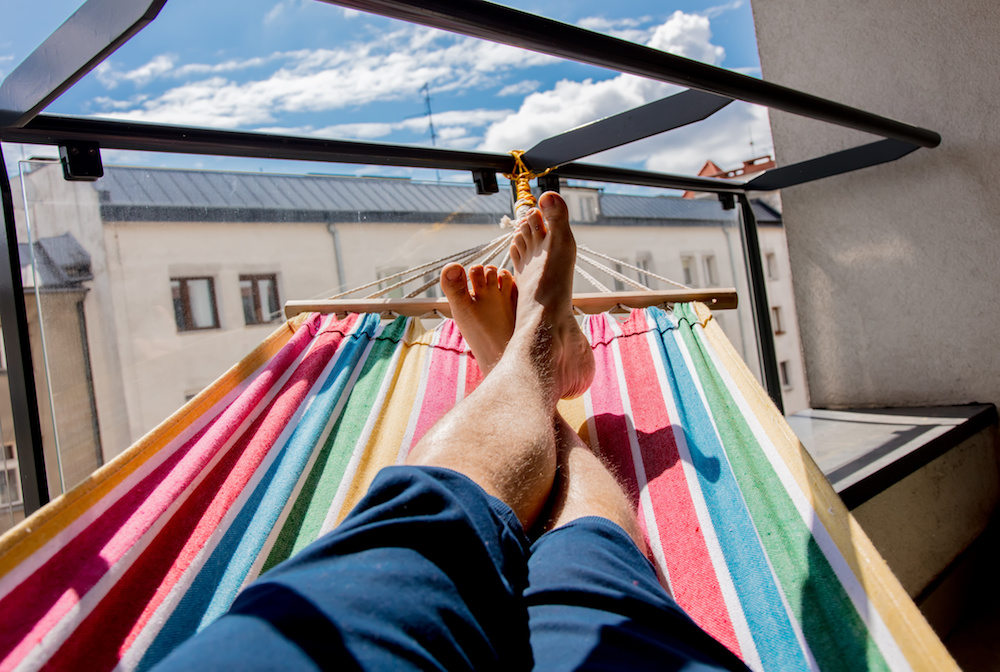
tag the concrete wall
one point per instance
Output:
(896, 267)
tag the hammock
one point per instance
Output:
(743, 527)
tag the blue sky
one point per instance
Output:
(307, 68)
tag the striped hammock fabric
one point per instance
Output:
(748, 534)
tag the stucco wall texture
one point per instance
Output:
(896, 267)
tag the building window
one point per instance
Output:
(10, 481)
(260, 298)
(194, 303)
(771, 264)
(711, 271)
(583, 206)
(786, 380)
(776, 320)
(690, 274)
(644, 260)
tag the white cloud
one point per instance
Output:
(144, 74)
(520, 88)
(723, 137)
(718, 10)
(571, 103)
(452, 127)
(687, 35)
(4, 60)
(274, 13)
(632, 29)
(393, 67)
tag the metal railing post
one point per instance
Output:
(20, 374)
(758, 302)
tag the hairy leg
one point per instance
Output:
(584, 486)
(502, 435)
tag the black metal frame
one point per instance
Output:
(99, 27)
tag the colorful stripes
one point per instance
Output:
(742, 527)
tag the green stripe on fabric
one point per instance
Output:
(836, 635)
(306, 518)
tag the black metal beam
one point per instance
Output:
(54, 130)
(837, 163)
(87, 37)
(497, 23)
(654, 118)
(20, 373)
(758, 302)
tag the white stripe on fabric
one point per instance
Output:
(165, 610)
(748, 647)
(645, 501)
(50, 643)
(418, 400)
(335, 413)
(374, 414)
(793, 621)
(29, 565)
(852, 586)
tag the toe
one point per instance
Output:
(455, 285)
(477, 274)
(553, 209)
(492, 280)
(515, 254)
(505, 281)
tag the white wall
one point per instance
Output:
(896, 267)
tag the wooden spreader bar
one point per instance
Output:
(598, 302)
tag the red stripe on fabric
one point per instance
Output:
(473, 374)
(439, 393)
(113, 625)
(606, 405)
(39, 603)
(692, 575)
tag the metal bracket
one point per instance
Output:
(728, 201)
(549, 182)
(81, 161)
(486, 182)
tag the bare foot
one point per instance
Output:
(544, 255)
(485, 316)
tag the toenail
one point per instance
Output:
(454, 274)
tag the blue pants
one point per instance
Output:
(429, 572)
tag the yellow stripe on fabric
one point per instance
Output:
(574, 412)
(390, 428)
(34, 532)
(920, 645)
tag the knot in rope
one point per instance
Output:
(521, 177)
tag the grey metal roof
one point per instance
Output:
(664, 207)
(149, 187)
(61, 262)
(198, 195)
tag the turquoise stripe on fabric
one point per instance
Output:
(218, 582)
(309, 511)
(758, 593)
(836, 635)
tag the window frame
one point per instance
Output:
(185, 298)
(10, 465)
(257, 299)
(776, 321)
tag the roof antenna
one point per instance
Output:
(430, 120)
